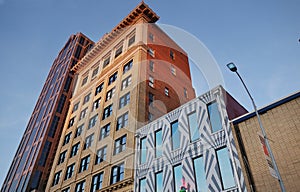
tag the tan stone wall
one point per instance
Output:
(282, 125)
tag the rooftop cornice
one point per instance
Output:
(141, 11)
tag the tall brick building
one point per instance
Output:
(131, 76)
(281, 121)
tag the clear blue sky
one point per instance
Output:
(261, 37)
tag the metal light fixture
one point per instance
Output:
(233, 68)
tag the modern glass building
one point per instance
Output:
(32, 162)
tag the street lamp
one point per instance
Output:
(233, 68)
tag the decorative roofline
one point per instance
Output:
(142, 10)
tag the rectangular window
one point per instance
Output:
(173, 70)
(67, 138)
(112, 78)
(128, 66)
(158, 143)
(151, 66)
(88, 141)
(99, 88)
(122, 121)
(96, 104)
(151, 81)
(151, 98)
(97, 181)
(175, 135)
(75, 107)
(61, 103)
(95, 72)
(92, 121)
(150, 116)
(131, 40)
(56, 178)
(62, 157)
(126, 82)
(193, 126)
(214, 116)
(78, 131)
(172, 55)
(151, 52)
(159, 186)
(185, 92)
(200, 174)
(70, 171)
(110, 94)
(120, 145)
(74, 149)
(84, 81)
(104, 132)
(142, 185)
(106, 62)
(86, 98)
(117, 173)
(225, 167)
(71, 122)
(151, 37)
(66, 190)
(107, 111)
(118, 51)
(143, 150)
(101, 155)
(166, 91)
(124, 100)
(83, 113)
(80, 186)
(84, 164)
(178, 179)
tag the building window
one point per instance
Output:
(75, 107)
(84, 164)
(159, 186)
(185, 92)
(106, 62)
(71, 122)
(151, 81)
(118, 51)
(126, 82)
(97, 181)
(151, 98)
(128, 66)
(61, 103)
(92, 121)
(62, 157)
(151, 52)
(74, 149)
(200, 174)
(56, 178)
(84, 81)
(214, 116)
(173, 70)
(122, 121)
(99, 88)
(143, 150)
(175, 135)
(96, 104)
(193, 126)
(151, 36)
(142, 185)
(112, 78)
(88, 141)
(124, 100)
(226, 173)
(120, 145)
(104, 132)
(70, 171)
(131, 40)
(110, 94)
(178, 179)
(101, 155)
(151, 66)
(158, 143)
(95, 72)
(80, 186)
(83, 113)
(66, 190)
(78, 131)
(166, 91)
(67, 138)
(107, 111)
(86, 98)
(172, 55)
(150, 116)
(117, 173)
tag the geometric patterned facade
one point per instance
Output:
(205, 147)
